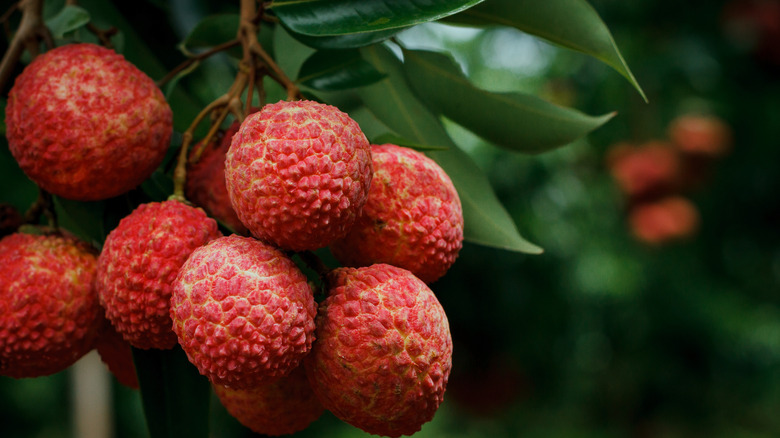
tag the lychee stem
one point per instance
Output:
(31, 30)
(42, 205)
(314, 262)
(197, 58)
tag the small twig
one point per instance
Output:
(293, 92)
(198, 57)
(42, 205)
(103, 35)
(31, 27)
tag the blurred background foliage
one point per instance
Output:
(602, 335)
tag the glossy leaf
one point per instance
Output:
(393, 102)
(174, 395)
(348, 41)
(68, 19)
(84, 219)
(337, 70)
(343, 17)
(570, 23)
(521, 122)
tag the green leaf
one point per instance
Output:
(85, 219)
(343, 17)
(573, 24)
(349, 41)
(400, 141)
(211, 31)
(337, 70)
(520, 122)
(68, 19)
(393, 102)
(175, 396)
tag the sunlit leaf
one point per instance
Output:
(343, 17)
(391, 100)
(520, 122)
(68, 19)
(337, 70)
(570, 23)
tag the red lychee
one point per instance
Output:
(243, 312)
(206, 181)
(86, 124)
(647, 170)
(383, 352)
(139, 262)
(666, 220)
(284, 406)
(298, 174)
(116, 353)
(413, 217)
(49, 311)
(700, 135)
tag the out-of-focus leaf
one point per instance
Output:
(174, 395)
(520, 122)
(337, 70)
(211, 31)
(400, 141)
(348, 41)
(343, 17)
(3, 102)
(85, 219)
(68, 19)
(570, 23)
(158, 187)
(171, 85)
(392, 101)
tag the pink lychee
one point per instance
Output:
(243, 312)
(139, 262)
(86, 124)
(116, 353)
(49, 310)
(413, 217)
(298, 174)
(383, 352)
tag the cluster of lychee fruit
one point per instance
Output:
(653, 176)
(292, 178)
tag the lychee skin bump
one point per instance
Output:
(86, 124)
(413, 218)
(139, 262)
(298, 174)
(282, 407)
(49, 311)
(243, 312)
(383, 352)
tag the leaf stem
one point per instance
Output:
(31, 31)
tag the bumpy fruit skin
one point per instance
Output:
(206, 182)
(284, 406)
(383, 352)
(243, 312)
(413, 218)
(49, 311)
(139, 262)
(85, 124)
(298, 174)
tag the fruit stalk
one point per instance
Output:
(31, 26)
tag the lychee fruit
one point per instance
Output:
(413, 217)
(281, 407)
(648, 170)
(139, 262)
(383, 352)
(702, 135)
(116, 353)
(49, 310)
(298, 174)
(86, 124)
(243, 312)
(205, 185)
(666, 220)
